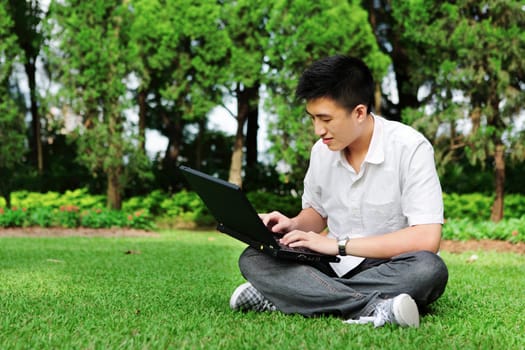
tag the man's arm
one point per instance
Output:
(309, 220)
(413, 238)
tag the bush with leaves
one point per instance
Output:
(71, 216)
(187, 207)
(512, 230)
(476, 206)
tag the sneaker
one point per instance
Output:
(401, 310)
(246, 297)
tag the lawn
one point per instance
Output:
(172, 292)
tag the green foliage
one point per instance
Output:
(103, 218)
(73, 209)
(12, 126)
(152, 203)
(475, 206)
(79, 208)
(512, 230)
(71, 216)
(265, 202)
(94, 63)
(187, 207)
(42, 217)
(14, 217)
(472, 205)
(473, 74)
(79, 197)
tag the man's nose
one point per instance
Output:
(319, 128)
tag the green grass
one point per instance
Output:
(86, 293)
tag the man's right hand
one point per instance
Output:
(277, 222)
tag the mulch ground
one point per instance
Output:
(449, 246)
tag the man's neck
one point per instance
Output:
(356, 152)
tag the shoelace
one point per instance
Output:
(382, 313)
(380, 317)
(265, 305)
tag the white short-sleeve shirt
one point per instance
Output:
(397, 186)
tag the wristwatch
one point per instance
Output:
(341, 245)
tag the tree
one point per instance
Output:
(93, 63)
(180, 49)
(12, 126)
(390, 40)
(301, 32)
(471, 60)
(245, 24)
(27, 17)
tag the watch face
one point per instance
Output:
(342, 246)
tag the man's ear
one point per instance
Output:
(361, 111)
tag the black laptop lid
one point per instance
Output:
(229, 205)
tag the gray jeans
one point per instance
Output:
(314, 290)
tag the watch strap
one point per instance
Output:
(341, 245)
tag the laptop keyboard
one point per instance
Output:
(294, 249)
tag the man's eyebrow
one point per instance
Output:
(320, 115)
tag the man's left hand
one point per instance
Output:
(311, 240)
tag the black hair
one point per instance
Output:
(347, 80)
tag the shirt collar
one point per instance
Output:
(376, 152)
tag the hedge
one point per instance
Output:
(79, 208)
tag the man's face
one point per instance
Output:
(337, 127)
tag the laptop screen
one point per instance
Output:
(228, 204)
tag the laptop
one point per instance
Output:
(237, 218)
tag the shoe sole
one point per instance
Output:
(236, 294)
(406, 311)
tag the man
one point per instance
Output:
(373, 185)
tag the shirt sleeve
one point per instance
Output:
(312, 190)
(422, 199)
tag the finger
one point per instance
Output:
(291, 237)
(280, 227)
(264, 217)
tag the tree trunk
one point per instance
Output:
(142, 120)
(36, 142)
(243, 106)
(7, 197)
(113, 189)
(174, 134)
(252, 127)
(499, 160)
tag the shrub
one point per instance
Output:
(80, 198)
(512, 230)
(14, 217)
(265, 202)
(103, 218)
(98, 218)
(43, 217)
(187, 207)
(472, 205)
(152, 203)
(477, 206)
(68, 216)
(71, 217)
